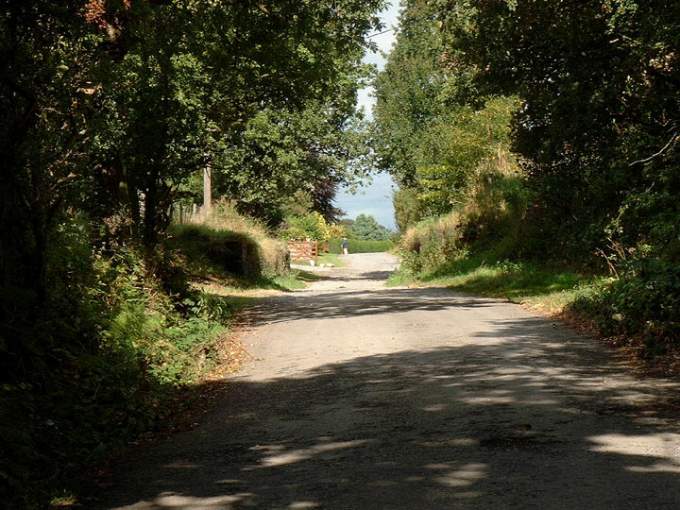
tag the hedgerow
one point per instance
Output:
(360, 246)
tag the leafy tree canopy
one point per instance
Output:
(434, 129)
(599, 116)
(365, 227)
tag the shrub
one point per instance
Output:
(643, 303)
(113, 345)
(489, 220)
(309, 226)
(337, 231)
(494, 211)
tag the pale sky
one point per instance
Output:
(374, 198)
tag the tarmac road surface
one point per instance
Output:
(366, 397)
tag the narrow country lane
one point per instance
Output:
(366, 397)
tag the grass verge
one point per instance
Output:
(294, 280)
(330, 258)
(550, 290)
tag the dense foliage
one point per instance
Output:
(310, 225)
(598, 122)
(280, 152)
(434, 130)
(582, 108)
(109, 112)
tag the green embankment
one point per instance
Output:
(237, 250)
(550, 289)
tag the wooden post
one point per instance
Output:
(207, 189)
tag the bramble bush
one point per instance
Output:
(488, 219)
(209, 251)
(643, 303)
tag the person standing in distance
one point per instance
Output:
(345, 245)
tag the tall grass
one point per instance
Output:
(223, 216)
(431, 243)
(226, 242)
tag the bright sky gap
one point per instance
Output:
(375, 198)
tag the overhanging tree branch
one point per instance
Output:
(670, 144)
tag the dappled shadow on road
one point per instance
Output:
(344, 275)
(518, 418)
(374, 275)
(354, 303)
